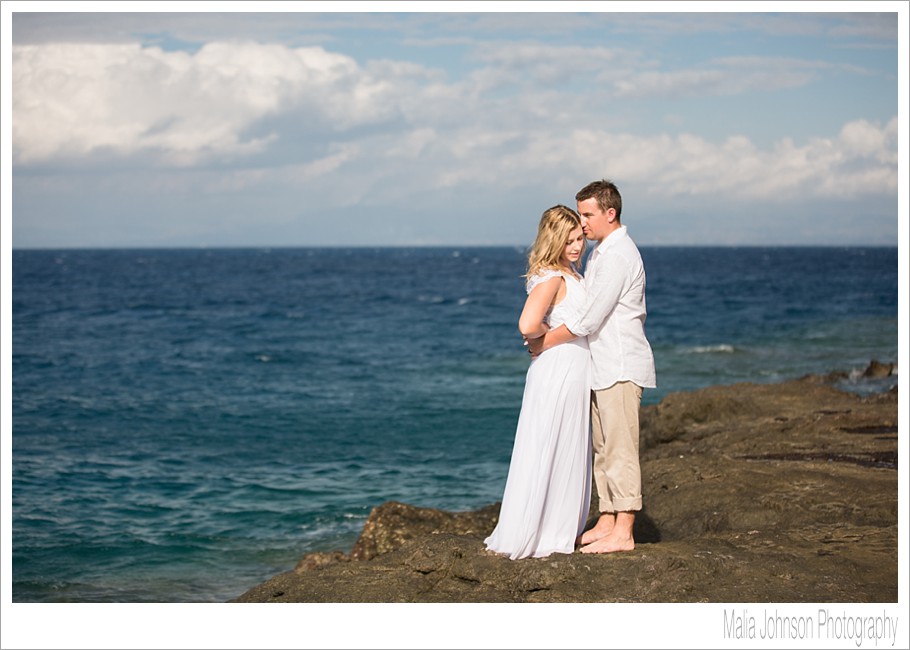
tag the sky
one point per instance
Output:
(147, 125)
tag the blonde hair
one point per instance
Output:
(553, 232)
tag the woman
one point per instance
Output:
(548, 490)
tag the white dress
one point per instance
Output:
(548, 490)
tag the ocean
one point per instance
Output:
(189, 422)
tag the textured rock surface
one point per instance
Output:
(753, 493)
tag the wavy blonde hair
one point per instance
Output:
(553, 232)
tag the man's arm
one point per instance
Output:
(600, 302)
(602, 296)
(550, 339)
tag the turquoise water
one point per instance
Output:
(187, 423)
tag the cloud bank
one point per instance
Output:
(187, 109)
(419, 120)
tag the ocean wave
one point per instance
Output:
(431, 299)
(722, 348)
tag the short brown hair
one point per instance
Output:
(606, 193)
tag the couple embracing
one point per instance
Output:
(590, 362)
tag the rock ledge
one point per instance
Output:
(753, 493)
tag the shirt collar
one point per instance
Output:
(610, 240)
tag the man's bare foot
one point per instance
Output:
(602, 528)
(610, 544)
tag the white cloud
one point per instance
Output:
(860, 162)
(722, 77)
(77, 99)
(400, 127)
(864, 139)
(541, 63)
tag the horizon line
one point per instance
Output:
(408, 246)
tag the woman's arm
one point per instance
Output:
(530, 323)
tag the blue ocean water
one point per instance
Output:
(188, 423)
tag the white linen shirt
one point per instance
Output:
(613, 317)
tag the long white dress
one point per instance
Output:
(548, 489)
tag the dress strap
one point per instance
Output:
(541, 276)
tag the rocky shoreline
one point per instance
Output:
(753, 493)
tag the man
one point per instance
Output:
(613, 319)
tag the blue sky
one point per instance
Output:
(452, 127)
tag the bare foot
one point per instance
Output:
(610, 544)
(602, 528)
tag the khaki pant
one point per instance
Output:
(614, 427)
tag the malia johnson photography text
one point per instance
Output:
(826, 625)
